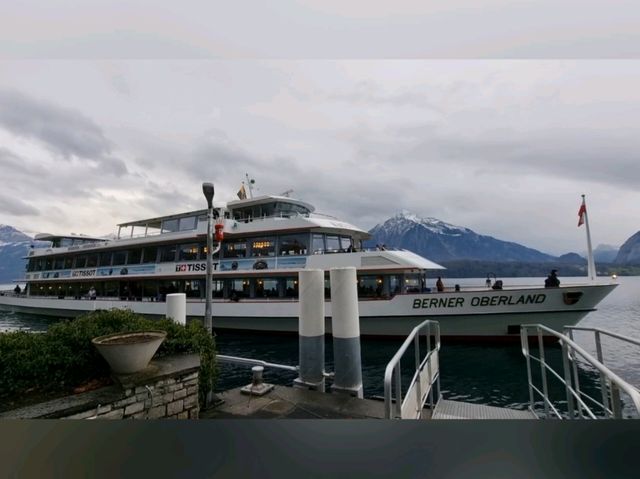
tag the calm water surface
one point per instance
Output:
(484, 374)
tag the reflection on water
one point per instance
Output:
(486, 374)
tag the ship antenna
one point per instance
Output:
(250, 183)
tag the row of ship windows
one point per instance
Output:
(382, 286)
(187, 223)
(268, 246)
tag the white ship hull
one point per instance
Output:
(479, 314)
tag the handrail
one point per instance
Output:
(254, 362)
(605, 332)
(394, 367)
(611, 383)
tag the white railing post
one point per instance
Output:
(567, 378)
(543, 374)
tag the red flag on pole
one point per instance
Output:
(581, 213)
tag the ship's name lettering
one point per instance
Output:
(438, 303)
(457, 302)
(193, 267)
(84, 274)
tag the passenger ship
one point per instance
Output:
(267, 241)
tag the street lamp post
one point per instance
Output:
(207, 189)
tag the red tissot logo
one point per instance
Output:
(192, 267)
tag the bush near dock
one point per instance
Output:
(63, 358)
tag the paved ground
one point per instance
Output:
(293, 403)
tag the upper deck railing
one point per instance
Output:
(579, 404)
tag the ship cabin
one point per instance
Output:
(266, 240)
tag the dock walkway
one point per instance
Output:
(293, 403)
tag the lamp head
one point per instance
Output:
(207, 189)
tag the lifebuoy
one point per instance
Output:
(219, 232)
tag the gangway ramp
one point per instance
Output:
(446, 409)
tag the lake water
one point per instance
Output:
(484, 374)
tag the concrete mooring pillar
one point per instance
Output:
(345, 324)
(311, 330)
(177, 307)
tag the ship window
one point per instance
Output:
(291, 287)
(192, 288)
(217, 287)
(235, 250)
(58, 263)
(412, 283)
(345, 243)
(111, 289)
(68, 262)
(134, 256)
(288, 209)
(395, 284)
(149, 254)
(317, 244)
(188, 252)
(119, 257)
(48, 263)
(92, 260)
(266, 288)
(168, 253)
(66, 241)
(31, 265)
(39, 264)
(369, 286)
(81, 261)
(333, 244)
(169, 226)
(239, 288)
(293, 244)
(150, 289)
(105, 258)
(268, 209)
(188, 223)
(263, 247)
(202, 247)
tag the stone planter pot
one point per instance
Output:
(129, 353)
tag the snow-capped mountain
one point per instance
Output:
(441, 241)
(14, 245)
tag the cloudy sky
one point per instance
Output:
(99, 136)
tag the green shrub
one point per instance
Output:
(63, 357)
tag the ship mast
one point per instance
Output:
(250, 183)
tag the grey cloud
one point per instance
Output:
(63, 131)
(16, 207)
(210, 159)
(584, 154)
(596, 155)
(10, 162)
(368, 93)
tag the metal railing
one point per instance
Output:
(254, 362)
(426, 373)
(580, 405)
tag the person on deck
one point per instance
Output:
(552, 280)
(439, 284)
(17, 289)
(92, 293)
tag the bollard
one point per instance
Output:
(177, 307)
(257, 386)
(311, 330)
(345, 324)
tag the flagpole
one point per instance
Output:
(591, 266)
